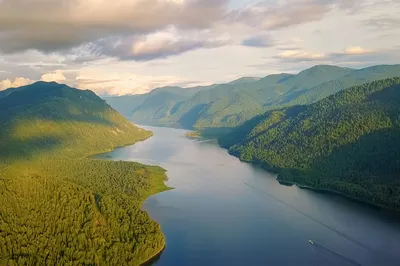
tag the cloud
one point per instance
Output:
(122, 84)
(382, 23)
(352, 51)
(54, 25)
(151, 43)
(277, 15)
(131, 29)
(57, 76)
(258, 41)
(18, 82)
(160, 44)
(353, 56)
(298, 55)
(357, 50)
(303, 56)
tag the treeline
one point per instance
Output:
(58, 207)
(348, 142)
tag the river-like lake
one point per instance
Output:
(226, 212)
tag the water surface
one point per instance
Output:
(226, 212)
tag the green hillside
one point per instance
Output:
(354, 78)
(348, 143)
(57, 206)
(125, 104)
(156, 106)
(231, 104)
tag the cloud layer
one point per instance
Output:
(132, 46)
(53, 25)
(20, 81)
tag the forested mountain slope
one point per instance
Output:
(149, 103)
(348, 143)
(59, 207)
(231, 104)
(354, 78)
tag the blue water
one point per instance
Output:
(226, 212)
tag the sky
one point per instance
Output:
(133, 46)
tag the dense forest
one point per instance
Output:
(347, 143)
(59, 207)
(231, 104)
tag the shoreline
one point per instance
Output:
(156, 190)
(193, 135)
(338, 193)
(277, 171)
(155, 257)
(117, 147)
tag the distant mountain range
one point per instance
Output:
(230, 104)
(348, 143)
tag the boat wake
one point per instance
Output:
(342, 234)
(316, 248)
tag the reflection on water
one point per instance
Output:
(225, 212)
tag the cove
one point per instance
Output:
(226, 212)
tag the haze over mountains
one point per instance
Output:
(231, 104)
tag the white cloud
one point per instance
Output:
(124, 83)
(357, 50)
(18, 82)
(57, 76)
(296, 54)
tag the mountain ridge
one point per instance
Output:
(208, 108)
(347, 142)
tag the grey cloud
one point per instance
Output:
(383, 56)
(96, 81)
(382, 23)
(271, 16)
(124, 51)
(288, 48)
(274, 16)
(85, 31)
(12, 71)
(57, 25)
(124, 48)
(258, 41)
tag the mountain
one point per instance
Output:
(60, 117)
(125, 104)
(354, 78)
(155, 105)
(57, 205)
(348, 143)
(230, 104)
(244, 80)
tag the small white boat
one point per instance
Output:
(311, 242)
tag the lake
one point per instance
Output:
(226, 212)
